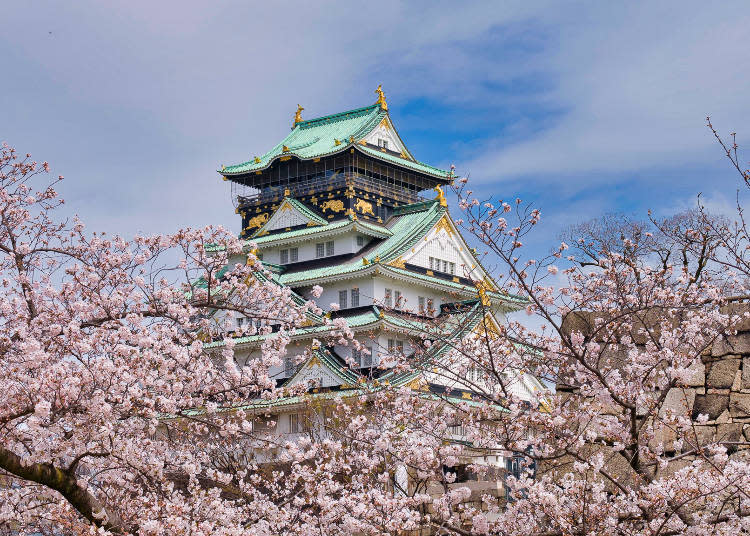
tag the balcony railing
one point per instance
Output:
(331, 181)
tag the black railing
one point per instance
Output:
(331, 181)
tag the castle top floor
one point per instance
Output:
(358, 152)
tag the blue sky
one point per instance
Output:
(579, 107)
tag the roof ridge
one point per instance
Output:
(310, 122)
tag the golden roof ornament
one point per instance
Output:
(298, 115)
(381, 98)
(441, 196)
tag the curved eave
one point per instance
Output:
(409, 165)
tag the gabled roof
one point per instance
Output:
(405, 231)
(336, 227)
(331, 134)
(303, 211)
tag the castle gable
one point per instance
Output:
(291, 213)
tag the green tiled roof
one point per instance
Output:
(458, 286)
(362, 226)
(329, 135)
(411, 164)
(406, 231)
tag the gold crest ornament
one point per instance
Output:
(381, 98)
(298, 114)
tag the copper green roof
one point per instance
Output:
(329, 135)
(363, 227)
(405, 232)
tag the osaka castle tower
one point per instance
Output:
(343, 204)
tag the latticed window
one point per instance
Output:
(342, 299)
(421, 302)
(360, 240)
(362, 358)
(320, 250)
(329, 248)
(288, 366)
(399, 299)
(355, 297)
(388, 298)
(293, 254)
(284, 256)
(296, 423)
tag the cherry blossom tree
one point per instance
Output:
(111, 407)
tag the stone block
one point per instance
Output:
(720, 374)
(729, 432)
(737, 383)
(680, 401)
(739, 404)
(697, 376)
(746, 372)
(746, 431)
(700, 435)
(731, 344)
(738, 316)
(712, 405)
(674, 466)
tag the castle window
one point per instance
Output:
(288, 367)
(430, 307)
(442, 265)
(362, 358)
(342, 299)
(288, 255)
(320, 250)
(382, 143)
(388, 299)
(421, 302)
(399, 299)
(329, 248)
(355, 297)
(360, 240)
(296, 423)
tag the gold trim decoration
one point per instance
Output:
(364, 207)
(466, 396)
(417, 384)
(284, 149)
(381, 98)
(441, 196)
(223, 167)
(257, 221)
(257, 160)
(298, 114)
(398, 263)
(314, 361)
(336, 205)
(336, 141)
(445, 225)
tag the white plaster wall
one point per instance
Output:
(410, 293)
(343, 244)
